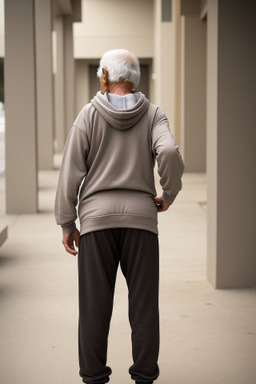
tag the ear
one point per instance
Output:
(105, 76)
(104, 85)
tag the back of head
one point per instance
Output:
(120, 65)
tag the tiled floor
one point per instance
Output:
(208, 336)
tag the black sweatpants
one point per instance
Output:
(100, 253)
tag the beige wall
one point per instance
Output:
(114, 24)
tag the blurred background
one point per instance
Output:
(198, 63)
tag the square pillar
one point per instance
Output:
(231, 135)
(44, 77)
(69, 73)
(163, 64)
(177, 71)
(193, 92)
(64, 80)
(59, 134)
(20, 104)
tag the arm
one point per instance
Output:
(170, 164)
(73, 170)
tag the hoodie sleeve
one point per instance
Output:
(169, 161)
(72, 172)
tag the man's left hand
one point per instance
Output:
(160, 204)
(68, 241)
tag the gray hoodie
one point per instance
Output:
(108, 162)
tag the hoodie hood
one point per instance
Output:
(120, 119)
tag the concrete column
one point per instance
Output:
(212, 133)
(59, 98)
(177, 71)
(20, 99)
(64, 80)
(156, 84)
(193, 92)
(167, 71)
(69, 74)
(44, 77)
(231, 136)
(163, 65)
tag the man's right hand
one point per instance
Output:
(68, 241)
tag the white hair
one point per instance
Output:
(120, 64)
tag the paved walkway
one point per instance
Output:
(207, 336)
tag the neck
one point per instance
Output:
(121, 88)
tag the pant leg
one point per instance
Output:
(140, 266)
(97, 268)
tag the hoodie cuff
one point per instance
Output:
(169, 199)
(68, 228)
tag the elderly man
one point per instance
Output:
(109, 160)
